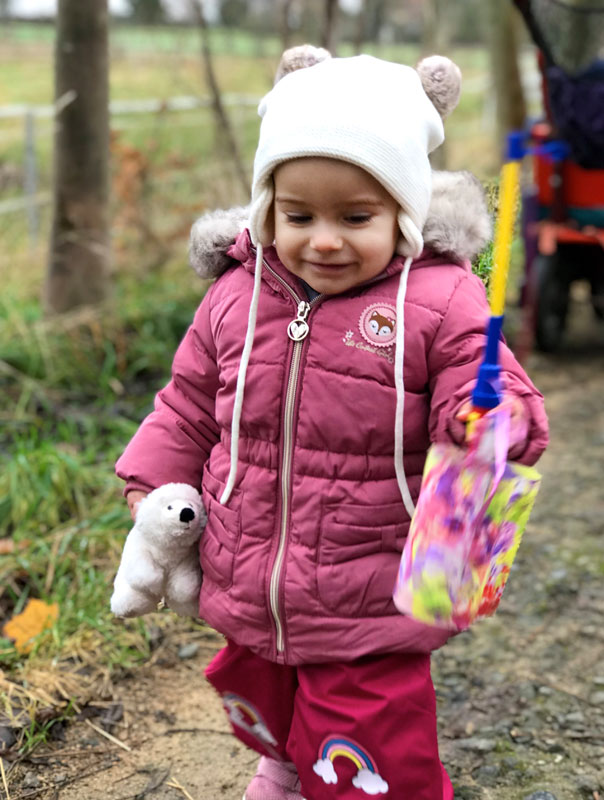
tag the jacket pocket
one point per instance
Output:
(359, 554)
(220, 540)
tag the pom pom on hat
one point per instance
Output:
(441, 79)
(362, 110)
(300, 57)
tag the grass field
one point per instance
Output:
(73, 390)
(163, 62)
(183, 165)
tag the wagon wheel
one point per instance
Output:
(550, 294)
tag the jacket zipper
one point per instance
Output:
(297, 331)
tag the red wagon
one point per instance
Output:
(563, 210)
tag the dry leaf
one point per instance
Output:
(36, 617)
(8, 546)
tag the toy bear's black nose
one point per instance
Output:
(187, 514)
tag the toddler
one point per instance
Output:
(341, 338)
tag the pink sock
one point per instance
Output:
(274, 780)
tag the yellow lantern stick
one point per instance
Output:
(487, 392)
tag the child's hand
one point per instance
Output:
(519, 424)
(133, 499)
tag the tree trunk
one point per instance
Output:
(286, 6)
(361, 27)
(376, 16)
(329, 39)
(435, 27)
(507, 86)
(436, 39)
(78, 269)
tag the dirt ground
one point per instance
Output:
(521, 696)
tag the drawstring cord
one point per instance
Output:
(399, 383)
(240, 389)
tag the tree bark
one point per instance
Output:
(220, 113)
(376, 16)
(436, 39)
(435, 27)
(361, 27)
(78, 268)
(507, 86)
(286, 6)
(329, 39)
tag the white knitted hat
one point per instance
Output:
(363, 110)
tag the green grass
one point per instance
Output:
(73, 391)
(151, 62)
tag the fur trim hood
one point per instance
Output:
(458, 225)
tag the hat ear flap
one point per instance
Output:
(441, 79)
(300, 57)
(261, 217)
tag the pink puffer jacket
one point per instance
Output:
(300, 564)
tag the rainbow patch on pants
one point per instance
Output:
(243, 714)
(367, 779)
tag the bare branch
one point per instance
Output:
(220, 114)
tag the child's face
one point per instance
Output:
(335, 225)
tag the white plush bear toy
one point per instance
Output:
(160, 557)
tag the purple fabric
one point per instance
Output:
(345, 525)
(577, 107)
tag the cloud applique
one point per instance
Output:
(370, 782)
(324, 769)
(262, 732)
(237, 717)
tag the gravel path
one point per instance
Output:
(521, 696)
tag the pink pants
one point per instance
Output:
(366, 727)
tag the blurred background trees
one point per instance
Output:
(505, 32)
(185, 77)
(146, 12)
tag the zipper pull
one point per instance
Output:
(298, 328)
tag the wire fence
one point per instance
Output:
(171, 142)
(167, 161)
